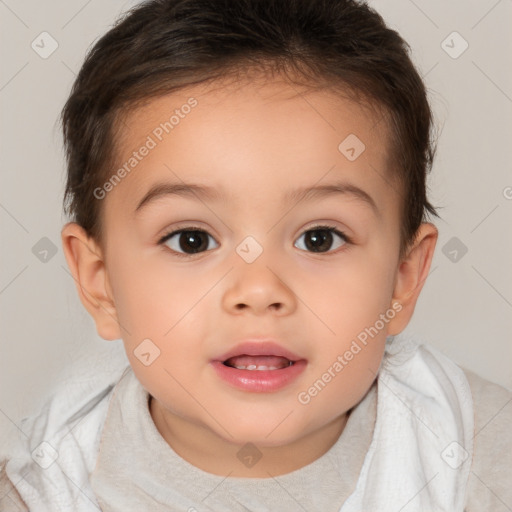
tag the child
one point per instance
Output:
(265, 366)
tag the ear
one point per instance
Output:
(85, 260)
(411, 275)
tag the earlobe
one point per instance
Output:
(88, 269)
(411, 275)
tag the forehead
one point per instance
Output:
(257, 102)
(253, 138)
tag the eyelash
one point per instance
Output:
(167, 236)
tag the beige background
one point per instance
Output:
(466, 305)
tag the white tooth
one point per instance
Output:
(254, 367)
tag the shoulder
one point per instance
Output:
(10, 499)
(490, 483)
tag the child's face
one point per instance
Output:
(254, 147)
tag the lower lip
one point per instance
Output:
(259, 381)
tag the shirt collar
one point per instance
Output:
(137, 469)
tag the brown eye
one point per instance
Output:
(321, 238)
(187, 241)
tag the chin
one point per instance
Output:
(262, 436)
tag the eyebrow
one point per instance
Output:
(321, 191)
(192, 190)
(178, 189)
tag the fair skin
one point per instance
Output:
(254, 144)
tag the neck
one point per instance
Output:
(209, 452)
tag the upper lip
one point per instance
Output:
(259, 348)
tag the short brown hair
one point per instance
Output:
(161, 46)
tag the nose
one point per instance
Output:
(258, 288)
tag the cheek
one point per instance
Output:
(162, 312)
(164, 304)
(150, 293)
(353, 296)
(342, 378)
(357, 375)
(356, 309)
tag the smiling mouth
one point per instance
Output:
(261, 363)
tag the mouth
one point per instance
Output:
(258, 355)
(259, 366)
(258, 363)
